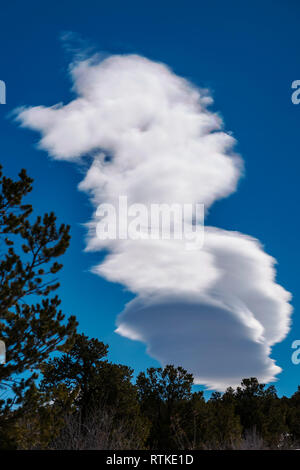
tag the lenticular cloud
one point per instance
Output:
(216, 311)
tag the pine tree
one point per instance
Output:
(161, 392)
(97, 386)
(31, 324)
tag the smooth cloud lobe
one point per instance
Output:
(216, 311)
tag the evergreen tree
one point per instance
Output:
(97, 385)
(31, 324)
(161, 391)
(293, 416)
(225, 430)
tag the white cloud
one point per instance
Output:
(216, 311)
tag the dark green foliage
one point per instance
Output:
(31, 324)
(162, 392)
(293, 414)
(83, 370)
(86, 402)
(99, 387)
(259, 408)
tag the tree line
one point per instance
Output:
(59, 391)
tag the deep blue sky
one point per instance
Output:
(247, 53)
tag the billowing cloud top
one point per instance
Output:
(217, 311)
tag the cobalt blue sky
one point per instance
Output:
(245, 54)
